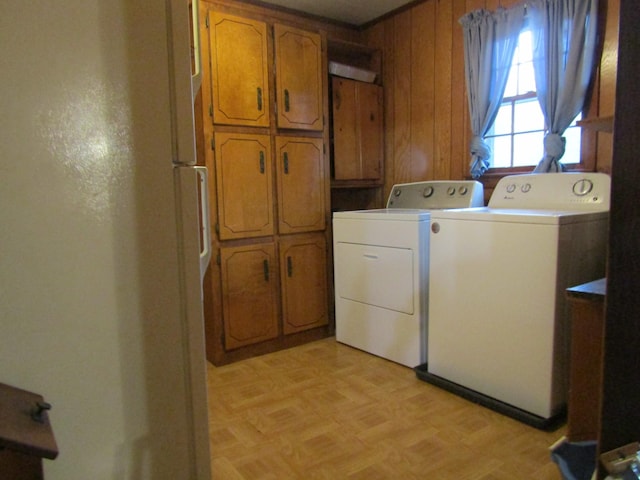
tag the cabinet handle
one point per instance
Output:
(289, 266)
(259, 99)
(286, 100)
(286, 163)
(265, 267)
(261, 162)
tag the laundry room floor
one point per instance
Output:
(327, 411)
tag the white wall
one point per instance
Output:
(89, 308)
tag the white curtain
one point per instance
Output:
(490, 39)
(564, 39)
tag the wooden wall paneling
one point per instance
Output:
(422, 77)
(443, 85)
(376, 37)
(402, 98)
(458, 168)
(607, 85)
(388, 73)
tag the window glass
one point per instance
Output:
(517, 135)
(528, 116)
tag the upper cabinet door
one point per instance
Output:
(244, 185)
(357, 130)
(240, 78)
(298, 78)
(301, 186)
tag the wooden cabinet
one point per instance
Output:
(585, 366)
(303, 269)
(244, 185)
(249, 294)
(298, 55)
(263, 105)
(26, 436)
(301, 184)
(240, 80)
(357, 130)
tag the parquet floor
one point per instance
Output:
(327, 411)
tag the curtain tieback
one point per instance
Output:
(480, 149)
(554, 145)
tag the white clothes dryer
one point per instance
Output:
(498, 318)
(381, 268)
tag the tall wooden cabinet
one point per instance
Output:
(264, 104)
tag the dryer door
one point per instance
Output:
(375, 275)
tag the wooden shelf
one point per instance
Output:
(601, 124)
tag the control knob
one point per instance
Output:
(427, 192)
(582, 187)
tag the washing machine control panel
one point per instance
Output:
(435, 195)
(558, 191)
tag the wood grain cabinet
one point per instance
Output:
(262, 104)
(303, 267)
(240, 80)
(301, 186)
(249, 294)
(357, 130)
(244, 185)
(298, 55)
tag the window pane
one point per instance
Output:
(501, 149)
(525, 51)
(512, 84)
(572, 147)
(527, 81)
(527, 148)
(502, 124)
(528, 116)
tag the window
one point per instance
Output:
(517, 135)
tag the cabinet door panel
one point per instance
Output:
(298, 78)
(371, 135)
(244, 185)
(358, 144)
(301, 188)
(239, 70)
(249, 294)
(304, 282)
(346, 155)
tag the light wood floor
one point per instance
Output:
(327, 411)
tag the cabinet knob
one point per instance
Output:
(40, 408)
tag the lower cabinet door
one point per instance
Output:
(249, 294)
(303, 267)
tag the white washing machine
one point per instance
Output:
(498, 317)
(381, 268)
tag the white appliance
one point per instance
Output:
(498, 315)
(381, 268)
(101, 265)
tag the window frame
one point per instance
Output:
(588, 139)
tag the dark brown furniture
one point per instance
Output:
(585, 366)
(25, 434)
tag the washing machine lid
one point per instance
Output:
(515, 215)
(386, 214)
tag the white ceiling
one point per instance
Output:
(355, 12)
